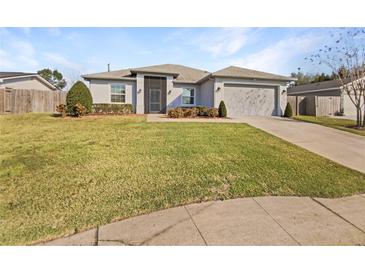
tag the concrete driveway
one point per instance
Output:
(246, 221)
(342, 147)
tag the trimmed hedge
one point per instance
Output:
(180, 112)
(79, 93)
(288, 111)
(112, 108)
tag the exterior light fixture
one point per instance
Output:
(218, 89)
(140, 90)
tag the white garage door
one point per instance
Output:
(248, 100)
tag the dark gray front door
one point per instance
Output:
(155, 100)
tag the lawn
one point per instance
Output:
(342, 124)
(59, 176)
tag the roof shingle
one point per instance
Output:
(237, 72)
(325, 85)
(7, 74)
(184, 74)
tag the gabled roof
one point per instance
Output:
(182, 74)
(115, 74)
(5, 75)
(237, 72)
(320, 86)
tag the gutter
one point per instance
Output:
(256, 78)
(105, 78)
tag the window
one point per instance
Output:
(188, 96)
(117, 93)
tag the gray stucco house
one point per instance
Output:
(24, 80)
(332, 89)
(155, 89)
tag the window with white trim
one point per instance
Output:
(117, 93)
(188, 96)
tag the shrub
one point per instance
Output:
(213, 112)
(61, 108)
(222, 109)
(175, 113)
(288, 111)
(79, 110)
(202, 111)
(112, 108)
(192, 112)
(79, 93)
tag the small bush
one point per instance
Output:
(222, 109)
(112, 108)
(288, 111)
(190, 112)
(213, 112)
(79, 93)
(202, 111)
(175, 113)
(61, 108)
(79, 110)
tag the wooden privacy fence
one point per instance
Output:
(315, 105)
(30, 100)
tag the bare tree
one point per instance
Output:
(345, 56)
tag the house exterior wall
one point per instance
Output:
(24, 83)
(207, 93)
(348, 106)
(101, 91)
(174, 97)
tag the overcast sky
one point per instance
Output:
(76, 51)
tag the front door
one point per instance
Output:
(155, 100)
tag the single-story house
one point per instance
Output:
(155, 89)
(23, 80)
(327, 91)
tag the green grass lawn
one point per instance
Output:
(59, 176)
(342, 124)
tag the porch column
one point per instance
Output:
(140, 94)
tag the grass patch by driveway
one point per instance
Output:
(338, 123)
(59, 176)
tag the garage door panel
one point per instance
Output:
(247, 100)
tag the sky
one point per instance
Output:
(77, 51)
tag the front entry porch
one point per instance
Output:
(154, 94)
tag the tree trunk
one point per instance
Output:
(358, 116)
(363, 118)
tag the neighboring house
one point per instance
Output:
(327, 91)
(22, 80)
(155, 89)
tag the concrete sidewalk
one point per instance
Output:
(246, 221)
